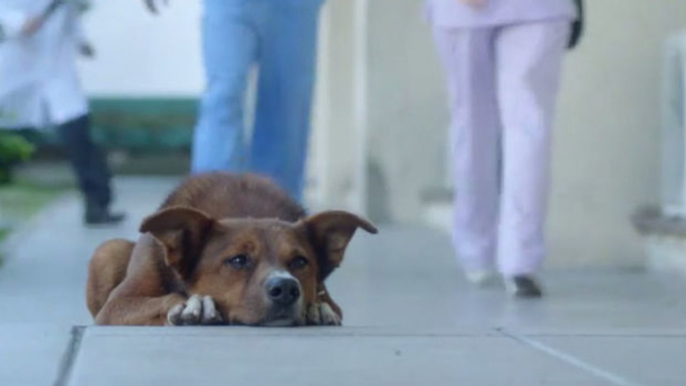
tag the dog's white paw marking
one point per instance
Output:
(196, 311)
(328, 316)
(313, 316)
(321, 314)
(210, 312)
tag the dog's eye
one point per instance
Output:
(299, 263)
(237, 262)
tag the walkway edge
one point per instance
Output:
(17, 236)
(69, 357)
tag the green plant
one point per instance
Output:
(14, 149)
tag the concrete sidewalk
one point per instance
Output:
(410, 319)
(42, 282)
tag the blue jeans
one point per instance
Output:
(280, 37)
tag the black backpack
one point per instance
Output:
(577, 26)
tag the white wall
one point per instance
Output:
(335, 147)
(396, 71)
(607, 137)
(139, 54)
(407, 106)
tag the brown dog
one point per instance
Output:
(223, 249)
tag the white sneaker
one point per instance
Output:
(481, 277)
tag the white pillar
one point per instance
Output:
(361, 103)
(317, 192)
(339, 144)
(674, 127)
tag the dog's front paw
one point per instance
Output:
(196, 311)
(321, 314)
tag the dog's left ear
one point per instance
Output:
(330, 232)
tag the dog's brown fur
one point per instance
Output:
(189, 247)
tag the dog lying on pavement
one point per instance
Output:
(223, 249)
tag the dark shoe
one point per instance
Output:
(102, 216)
(523, 286)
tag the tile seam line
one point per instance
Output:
(102, 334)
(568, 359)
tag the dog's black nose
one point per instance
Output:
(283, 291)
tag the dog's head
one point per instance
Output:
(258, 271)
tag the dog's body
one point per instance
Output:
(223, 249)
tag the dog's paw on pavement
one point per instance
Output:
(321, 314)
(196, 311)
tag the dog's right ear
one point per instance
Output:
(183, 232)
(330, 233)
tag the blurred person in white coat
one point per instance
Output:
(503, 59)
(40, 41)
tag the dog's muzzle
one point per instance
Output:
(284, 293)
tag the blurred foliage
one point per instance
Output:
(144, 124)
(14, 149)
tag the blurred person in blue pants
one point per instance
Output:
(280, 38)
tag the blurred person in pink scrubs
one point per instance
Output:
(503, 61)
